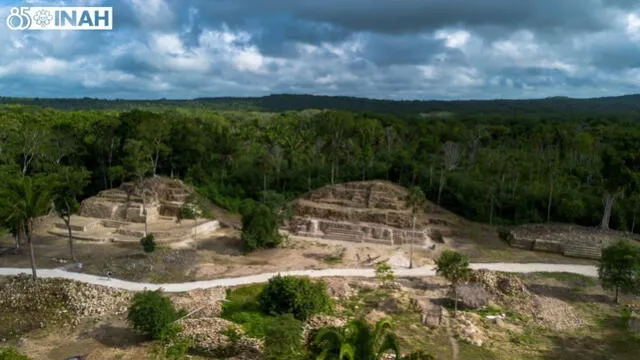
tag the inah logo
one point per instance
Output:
(60, 18)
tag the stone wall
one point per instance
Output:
(356, 232)
(568, 240)
(163, 197)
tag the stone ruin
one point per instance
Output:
(568, 240)
(118, 214)
(370, 211)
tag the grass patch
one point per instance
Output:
(242, 308)
(490, 311)
(336, 258)
(576, 279)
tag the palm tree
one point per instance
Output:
(416, 201)
(22, 200)
(356, 341)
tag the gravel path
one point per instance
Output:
(586, 270)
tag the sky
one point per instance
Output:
(386, 49)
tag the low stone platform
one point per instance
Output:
(568, 240)
(165, 229)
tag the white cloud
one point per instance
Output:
(453, 39)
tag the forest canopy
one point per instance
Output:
(496, 166)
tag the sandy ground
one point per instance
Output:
(219, 255)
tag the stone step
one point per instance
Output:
(78, 235)
(340, 237)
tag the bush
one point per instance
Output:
(284, 339)
(12, 354)
(384, 274)
(242, 307)
(294, 295)
(260, 228)
(148, 243)
(153, 314)
(177, 349)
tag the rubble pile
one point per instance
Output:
(220, 337)
(555, 314)
(339, 288)
(500, 284)
(69, 297)
(466, 329)
(320, 321)
(208, 302)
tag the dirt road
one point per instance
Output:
(586, 270)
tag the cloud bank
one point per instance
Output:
(404, 49)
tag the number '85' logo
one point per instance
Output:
(19, 19)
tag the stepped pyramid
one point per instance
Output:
(369, 211)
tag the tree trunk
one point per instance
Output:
(608, 201)
(549, 203)
(264, 186)
(441, 187)
(32, 252)
(617, 294)
(455, 300)
(430, 177)
(333, 171)
(491, 207)
(195, 232)
(633, 223)
(72, 250)
(413, 234)
(144, 213)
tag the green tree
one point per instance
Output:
(454, 267)
(23, 200)
(148, 243)
(283, 340)
(69, 185)
(137, 166)
(384, 273)
(619, 268)
(153, 315)
(417, 202)
(355, 341)
(299, 296)
(260, 228)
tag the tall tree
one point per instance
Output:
(417, 202)
(69, 184)
(138, 167)
(451, 158)
(454, 267)
(619, 268)
(23, 200)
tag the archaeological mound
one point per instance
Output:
(368, 211)
(118, 214)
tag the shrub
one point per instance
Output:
(177, 349)
(148, 243)
(260, 228)
(12, 354)
(295, 295)
(153, 314)
(284, 339)
(384, 274)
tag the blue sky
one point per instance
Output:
(400, 49)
